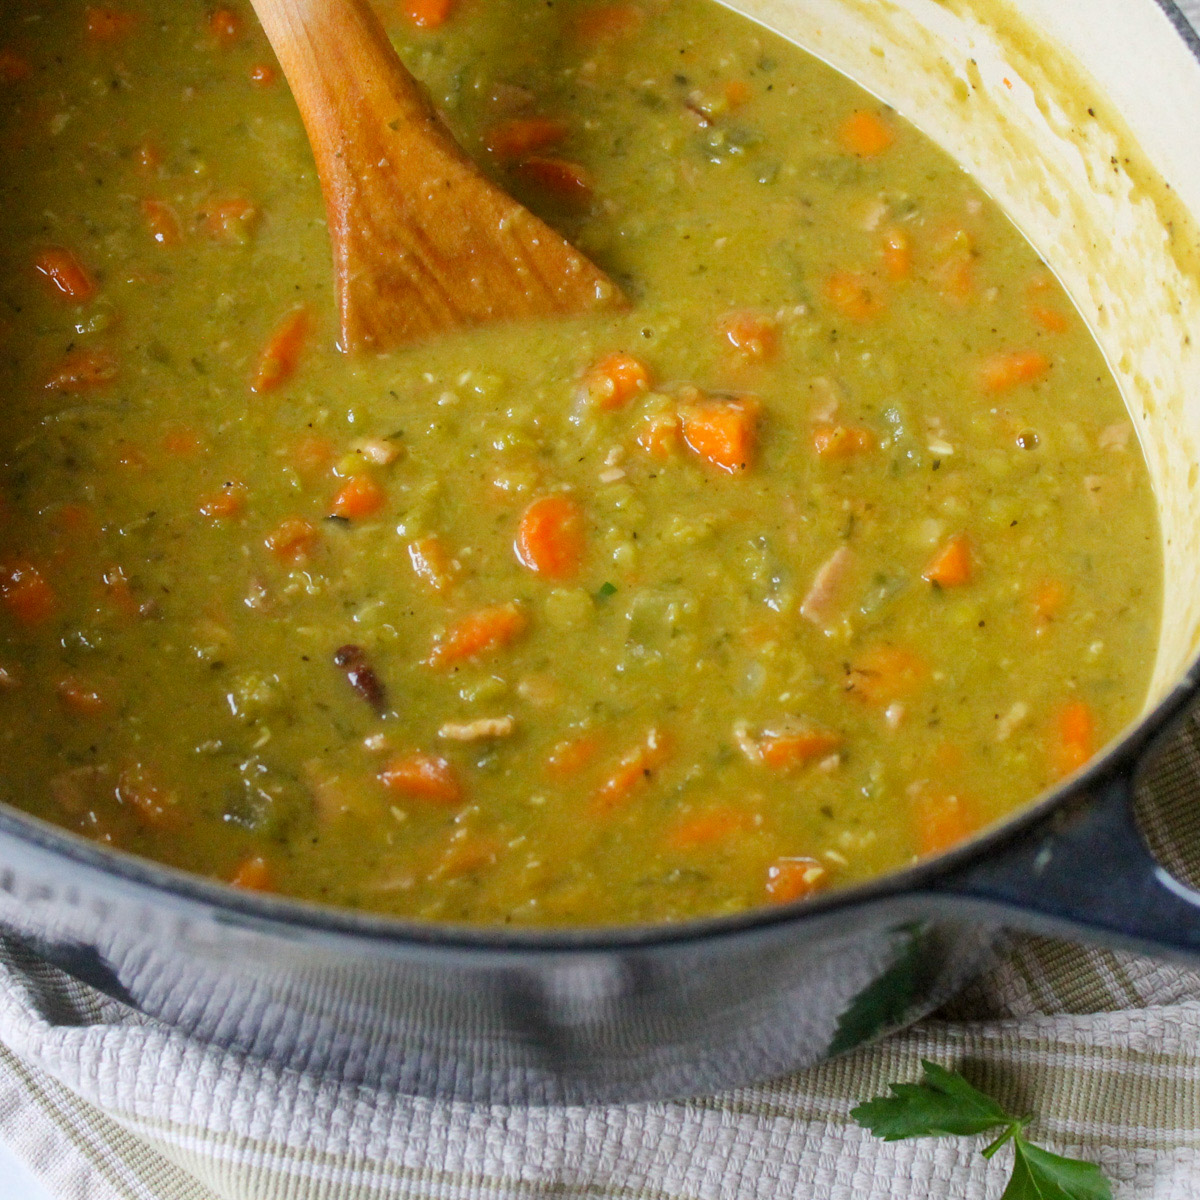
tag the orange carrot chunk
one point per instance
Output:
(570, 757)
(162, 222)
(107, 24)
(80, 697)
(885, 673)
(281, 355)
(1074, 738)
(431, 562)
(941, 821)
(552, 537)
(753, 335)
(1007, 370)
(707, 828)
(140, 788)
(427, 14)
(1049, 597)
(83, 371)
(605, 22)
(865, 134)
(796, 747)
(360, 497)
(566, 181)
(225, 26)
(790, 879)
(253, 874)
(25, 592)
(842, 441)
(13, 68)
(853, 295)
(615, 380)
(422, 777)
(67, 276)
(1040, 304)
(659, 435)
(951, 565)
(523, 136)
(228, 220)
(263, 74)
(293, 540)
(897, 254)
(723, 432)
(227, 502)
(481, 632)
(634, 771)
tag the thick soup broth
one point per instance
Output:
(835, 548)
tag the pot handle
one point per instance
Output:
(1085, 873)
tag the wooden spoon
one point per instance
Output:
(423, 243)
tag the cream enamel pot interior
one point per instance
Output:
(1080, 117)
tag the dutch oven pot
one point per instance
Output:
(1080, 117)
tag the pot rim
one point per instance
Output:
(266, 912)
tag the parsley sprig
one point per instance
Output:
(945, 1103)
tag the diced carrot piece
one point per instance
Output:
(1073, 739)
(1040, 298)
(885, 673)
(1049, 597)
(1008, 369)
(941, 821)
(754, 335)
(478, 633)
(659, 435)
(67, 276)
(951, 566)
(182, 441)
(634, 770)
(148, 158)
(281, 355)
(790, 879)
(163, 222)
(465, 855)
(522, 136)
(723, 432)
(313, 453)
(83, 371)
(431, 562)
(253, 874)
(427, 14)
(26, 594)
(797, 747)
(703, 829)
(263, 74)
(358, 498)
(853, 295)
(13, 68)
(229, 219)
(225, 26)
(615, 380)
(566, 181)
(737, 92)
(293, 540)
(607, 21)
(954, 278)
(116, 584)
(79, 697)
(228, 502)
(107, 24)
(570, 757)
(140, 788)
(842, 441)
(130, 457)
(897, 253)
(552, 537)
(865, 134)
(422, 777)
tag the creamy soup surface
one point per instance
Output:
(835, 548)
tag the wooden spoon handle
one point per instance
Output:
(422, 241)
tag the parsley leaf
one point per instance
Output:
(945, 1103)
(1040, 1175)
